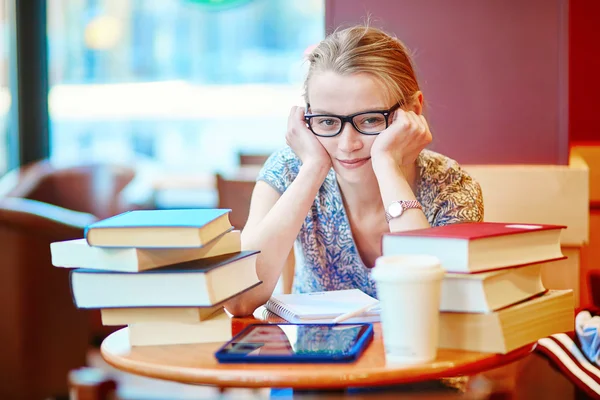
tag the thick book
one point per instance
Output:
(322, 306)
(217, 329)
(79, 254)
(128, 316)
(197, 283)
(477, 247)
(509, 328)
(159, 228)
(485, 292)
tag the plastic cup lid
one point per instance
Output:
(415, 266)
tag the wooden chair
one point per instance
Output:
(43, 335)
(246, 159)
(235, 194)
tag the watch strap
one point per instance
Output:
(406, 204)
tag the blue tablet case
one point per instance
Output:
(322, 348)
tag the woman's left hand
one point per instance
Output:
(403, 140)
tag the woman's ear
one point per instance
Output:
(417, 105)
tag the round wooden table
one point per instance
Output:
(196, 364)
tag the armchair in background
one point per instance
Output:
(43, 335)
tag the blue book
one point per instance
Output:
(159, 228)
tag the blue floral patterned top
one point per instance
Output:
(326, 255)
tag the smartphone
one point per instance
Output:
(297, 343)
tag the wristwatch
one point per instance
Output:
(396, 209)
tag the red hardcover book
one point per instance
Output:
(477, 247)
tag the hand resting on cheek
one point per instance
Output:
(403, 140)
(303, 142)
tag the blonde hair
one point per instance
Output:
(363, 49)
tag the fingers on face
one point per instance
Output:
(418, 124)
(412, 122)
(300, 115)
(291, 123)
(426, 126)
(401, 118)
(297, 112)
(407, 122)
(296, 122)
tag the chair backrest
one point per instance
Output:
(246, 159)
(235, 194)
(43, 334)
(92, 188)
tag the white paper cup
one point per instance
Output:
(408, 288)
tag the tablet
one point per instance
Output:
(297, 343)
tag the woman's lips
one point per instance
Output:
(354, 163)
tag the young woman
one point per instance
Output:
(355, 168)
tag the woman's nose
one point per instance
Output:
(350, 139)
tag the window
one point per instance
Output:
(6, 27)
(186, 84)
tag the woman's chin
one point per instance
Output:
(350, 176)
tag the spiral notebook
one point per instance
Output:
(322, 306)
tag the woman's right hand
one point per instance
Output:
(303, 142)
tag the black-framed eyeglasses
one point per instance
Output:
(366, 122)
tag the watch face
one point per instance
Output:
(395, 209)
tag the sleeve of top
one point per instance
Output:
(280, 169)
(459, 201)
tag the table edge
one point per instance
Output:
(253, 378)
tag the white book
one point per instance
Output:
(216, 329)
(322, 306)
(78, 254)
(187, 315)
(489, 291)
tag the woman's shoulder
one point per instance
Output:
(280, 169)
(283, 160)
(447, 191)
(438, 167)
(285, 153)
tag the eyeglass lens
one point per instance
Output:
(369, 123)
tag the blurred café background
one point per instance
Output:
(179, 89)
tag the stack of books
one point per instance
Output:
(493, 298)
(164, 273)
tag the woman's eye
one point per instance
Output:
(327, 122)
(372, 121)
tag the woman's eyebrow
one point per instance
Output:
(319, 111)
(366, 109)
